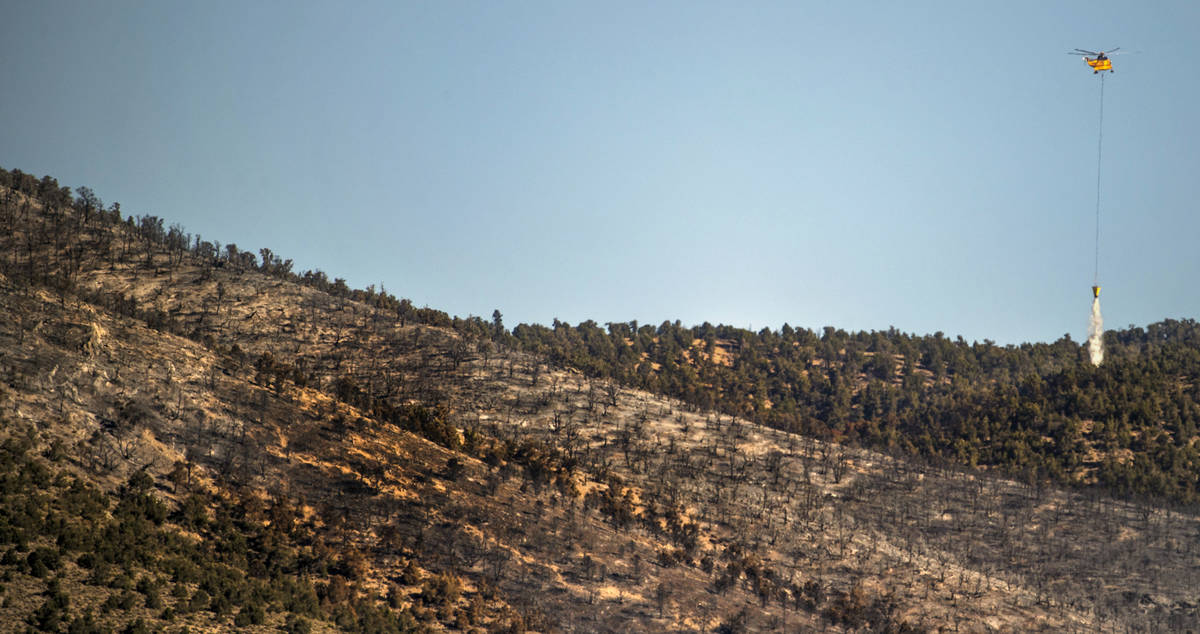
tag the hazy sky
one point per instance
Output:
(928, 166)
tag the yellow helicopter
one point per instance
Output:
(1097, 60)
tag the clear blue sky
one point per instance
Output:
(928, 166)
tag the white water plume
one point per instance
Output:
(1096, 334)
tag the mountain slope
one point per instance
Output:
(417, 471)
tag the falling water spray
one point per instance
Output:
(1096, 322)
(1096, 330)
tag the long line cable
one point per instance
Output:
(1099, 156)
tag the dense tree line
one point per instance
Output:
(1035, 410)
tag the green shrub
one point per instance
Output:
(52, 612)
(297, 625)
(153, 600)
(199, 601)
(42, 560)
(85, 624)
(127, 601)
(136, 627)
(441, 589)
(250, 615)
